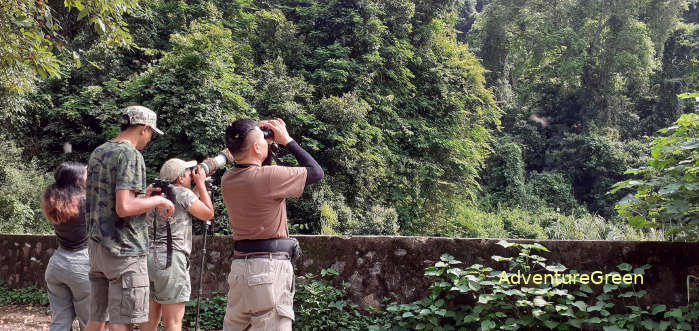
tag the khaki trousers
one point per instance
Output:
(260, 295)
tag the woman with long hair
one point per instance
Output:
(66, 276)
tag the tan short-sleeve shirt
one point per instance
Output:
(254, 198)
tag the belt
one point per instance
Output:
(266, 245)
(273, 256)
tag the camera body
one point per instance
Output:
(208, 182)
(165, 187)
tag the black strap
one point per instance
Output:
(168, 257)
(243, 165)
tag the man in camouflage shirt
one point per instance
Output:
(118, 241)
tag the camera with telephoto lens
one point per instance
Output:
(165, 187)
(211, 164)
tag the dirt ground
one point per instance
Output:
(26, 317)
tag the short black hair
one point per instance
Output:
(237, 133)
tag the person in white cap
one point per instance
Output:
(115, 213)
(171, 244)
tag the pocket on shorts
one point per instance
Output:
(134, 296)
(285, 303)
(286, 311)
(260, 296)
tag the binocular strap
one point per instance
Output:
(168, 259)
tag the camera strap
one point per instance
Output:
(168, 258)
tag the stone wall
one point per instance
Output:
(377, 267)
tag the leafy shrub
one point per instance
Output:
(521, 223)
(211, 313)
(377, 220)
(499, 304)
(473, 222)
(540, 223)
(319, 305)
(594, 163)
(20, 194)
(550, 189)
(23, 296)
(667, 190)
(504, 178)
(586, 226)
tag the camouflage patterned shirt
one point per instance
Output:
(115, 166)
(180, 223)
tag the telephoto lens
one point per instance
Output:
(210, 165)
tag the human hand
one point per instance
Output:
(150, 190)
(281, 135)
(199, 176)
(165, 207)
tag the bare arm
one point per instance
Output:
(127, 204)
(202, 209)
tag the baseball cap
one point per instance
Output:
(174, 168)
(142, 115)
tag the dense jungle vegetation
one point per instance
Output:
(488, 118)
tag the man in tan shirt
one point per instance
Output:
(261, 281)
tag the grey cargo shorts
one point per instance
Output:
(119, 286)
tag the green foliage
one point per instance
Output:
(568, 73)
(507, 184)
(211, 313)
(667, 192)
(504, 177)
(20, 194)
(200, 67)
(23, 296)
(551, 189)
(680, 72)
(36, 36)
(377, 220)
(320, 305)
(503, 302)
(541, 223)
(383, 96)
(594, 163)
(581, 225)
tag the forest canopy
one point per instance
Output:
(457, 118)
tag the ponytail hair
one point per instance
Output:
(62, 200)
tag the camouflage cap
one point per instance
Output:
(174, 168)
(142, 115)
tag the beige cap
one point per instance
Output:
(174, 168)
(142, 115)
